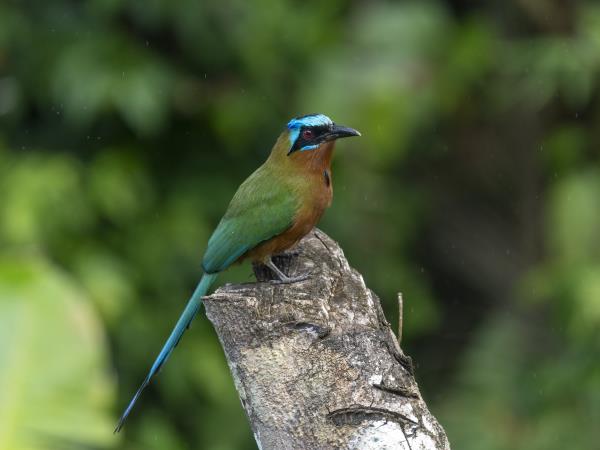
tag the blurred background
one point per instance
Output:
(127, 125)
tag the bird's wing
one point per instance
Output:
(262, 208)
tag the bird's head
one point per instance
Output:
(309, 132)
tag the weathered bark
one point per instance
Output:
(316, 363)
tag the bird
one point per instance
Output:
(271, 211)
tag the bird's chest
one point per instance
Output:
(314, 194)
(319, 191)
(326, 188)
(317, 198)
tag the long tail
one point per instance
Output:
(182, 324)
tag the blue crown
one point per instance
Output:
(310, 120)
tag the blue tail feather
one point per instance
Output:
(183, 323)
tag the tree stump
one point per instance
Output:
(315, 362)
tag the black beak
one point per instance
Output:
(339, 131)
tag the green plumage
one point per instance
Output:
(262, 207)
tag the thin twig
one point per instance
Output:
(400, 314)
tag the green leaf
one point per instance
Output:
(54, 388)
(574, 219)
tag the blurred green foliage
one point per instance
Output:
(126, 126)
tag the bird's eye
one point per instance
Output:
(307, 134)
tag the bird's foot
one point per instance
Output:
(283, 278)
(288, 280)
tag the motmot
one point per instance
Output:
(271, 211)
